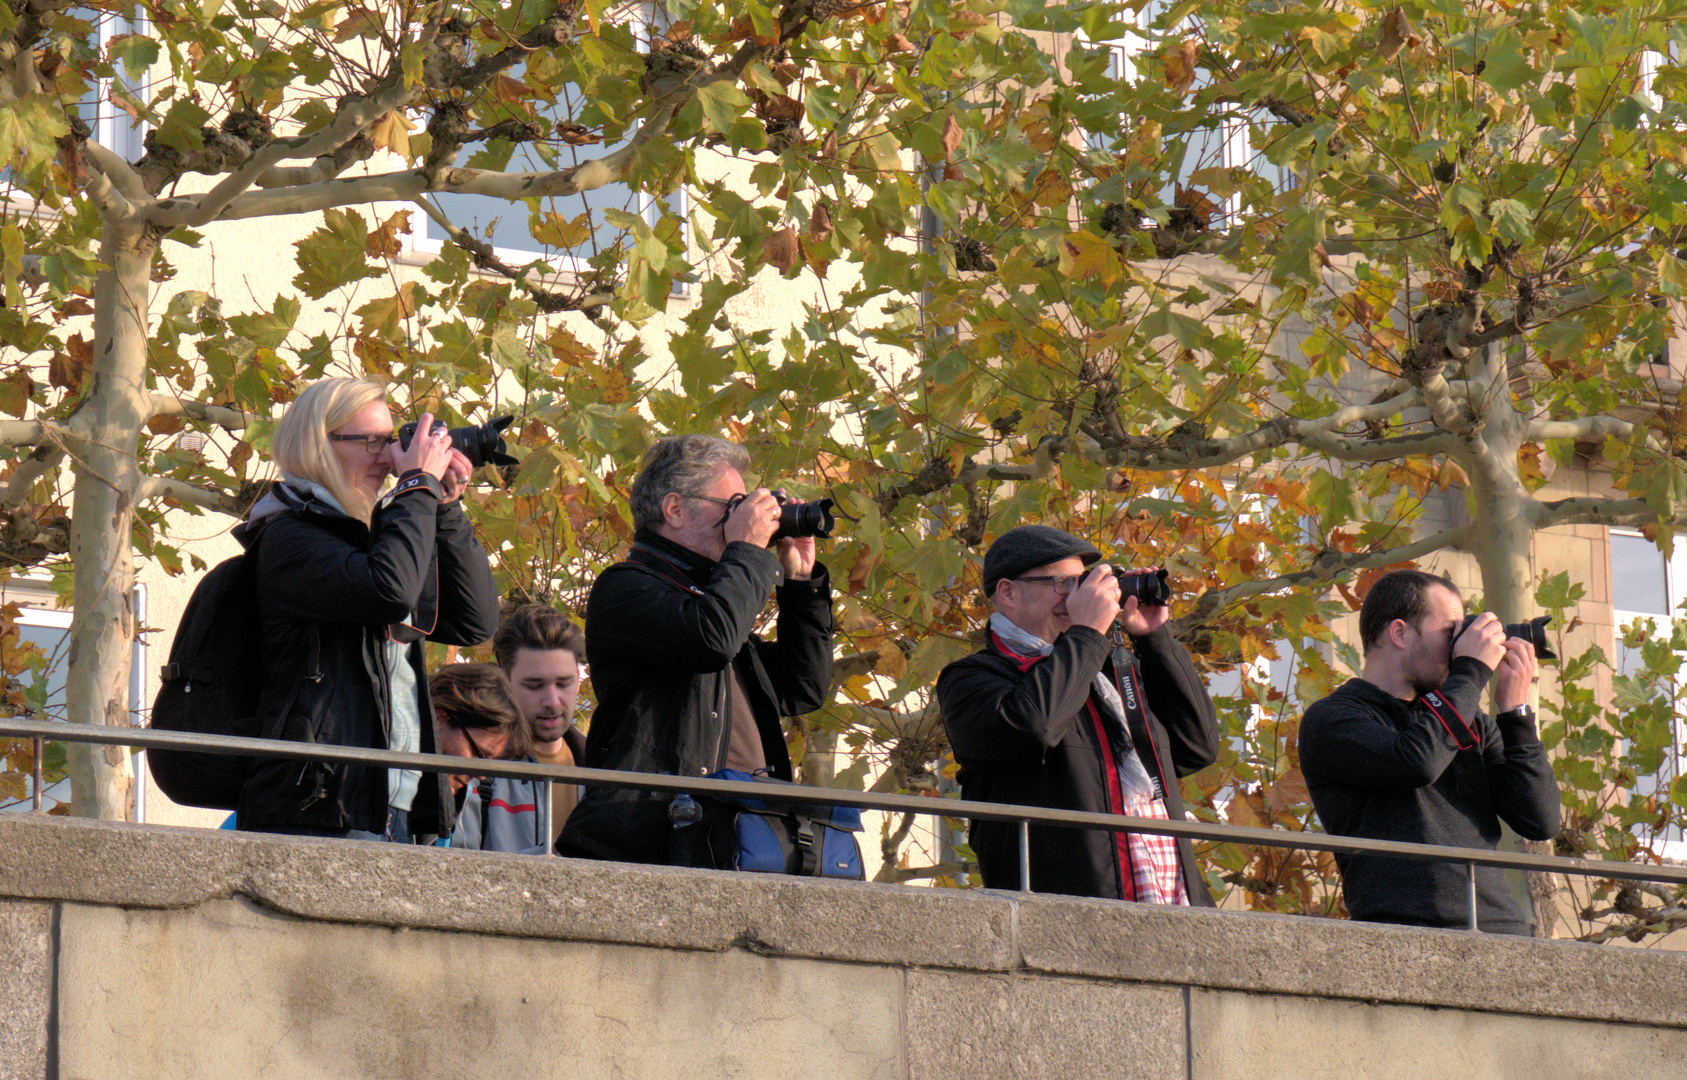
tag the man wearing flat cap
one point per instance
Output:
(1055, 711)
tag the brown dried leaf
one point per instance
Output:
(166, 424)
(820, 224)
(383, 241)
(1180, 65)
(778, 107)
(70, 367)
(358, 22)
(829, 146)
(577, 135)
(15, 390)
(898, 43)
(1396, 34)
(951, 137)
(782, 249)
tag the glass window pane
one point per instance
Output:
(1638, 583)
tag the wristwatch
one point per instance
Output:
(1522, 712)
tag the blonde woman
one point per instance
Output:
(349, 583)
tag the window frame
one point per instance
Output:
(424, 245)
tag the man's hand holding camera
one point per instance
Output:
(755, 518)
(1483, 640)
(1094, 600)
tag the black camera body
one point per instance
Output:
(482, 444)
(1533, 631)
(797, 520)
(1149, 587)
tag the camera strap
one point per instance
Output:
(677, 577)
(1450, 719)
(1136, 716)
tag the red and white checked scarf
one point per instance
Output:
(1154, 867)
(1155, 871)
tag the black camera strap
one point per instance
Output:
(1128, 678)
(1462, 734)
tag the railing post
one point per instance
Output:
(1472, 895)
(35, 796)
(1024, 856)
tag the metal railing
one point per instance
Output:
(145, 738)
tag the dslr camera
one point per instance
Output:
(1149, 588)
(797, 520)
(1533, 631)
(482, 444)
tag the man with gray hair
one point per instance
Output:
(683, 686)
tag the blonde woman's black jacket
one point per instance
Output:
(328, 590)
(661, 629)
(1028, 737)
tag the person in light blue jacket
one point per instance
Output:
(478, 718)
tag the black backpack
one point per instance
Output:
(211, 685)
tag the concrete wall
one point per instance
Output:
(146, 951)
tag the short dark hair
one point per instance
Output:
(682, 463)
(1400, 594)
(478, 696)
(536, 626)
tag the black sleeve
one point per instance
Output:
(309, 573)
(799, 660)
(1345, 745)
(1525, 791)
(1011, 719)
(1179, 700)
(468, 597)
(663, 626)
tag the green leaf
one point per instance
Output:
(334, 255)
(181, 127)
(29, 127)
(722, 102)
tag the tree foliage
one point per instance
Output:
(1277, 294)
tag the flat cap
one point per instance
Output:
(1028, 547)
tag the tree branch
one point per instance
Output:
(1588, 510)
(164, 487)
(46, 459)
(485, 256)
(121, 174)
(224, 417)
(1326, 568)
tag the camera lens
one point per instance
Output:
(482, 444)
(1150, 589)
(1533, 631)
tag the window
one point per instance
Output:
(505, 224)
(1231, 144)
(1647, 586)
(109, 125)
(48, 629)
(113, 127)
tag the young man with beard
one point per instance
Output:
(539, 649)
(1405, 753)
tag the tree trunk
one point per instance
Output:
(1504, 539)
(110, 420)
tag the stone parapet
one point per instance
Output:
(193, 953)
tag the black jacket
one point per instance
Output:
(661, 629)
(1387, 769)
(1025, 737)
(328, 591)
